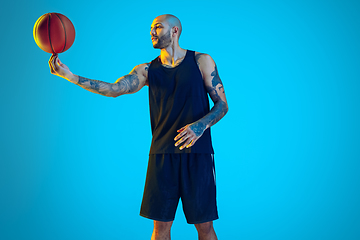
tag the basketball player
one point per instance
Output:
(181, 163)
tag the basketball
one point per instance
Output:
(54, 33)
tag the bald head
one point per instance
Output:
(172, 21)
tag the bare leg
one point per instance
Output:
(206, 231)
(161, 230)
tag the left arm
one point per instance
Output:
(214, 86)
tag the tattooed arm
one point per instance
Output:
(127, 84)
(192, 132)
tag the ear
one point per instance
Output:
(175, 30)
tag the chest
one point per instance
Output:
(185, 79)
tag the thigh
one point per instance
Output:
(161, 193)
(198, 188)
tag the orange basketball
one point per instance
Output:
(54, 33)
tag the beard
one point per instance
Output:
(163, 41)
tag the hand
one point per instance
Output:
(58, 68)
(190, 133)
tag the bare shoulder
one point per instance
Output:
(141, 71)
(205, 62)
(203, 58)
(141, 68)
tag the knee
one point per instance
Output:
(162, 227)
(205, 228)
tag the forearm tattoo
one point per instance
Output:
(126, 84)
(220, 107)
(218, 111)
(95, 86)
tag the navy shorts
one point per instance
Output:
(189, 176)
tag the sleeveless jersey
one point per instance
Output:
(177, 97)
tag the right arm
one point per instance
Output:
(127, 84)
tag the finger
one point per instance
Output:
(181, 140)
(51, 65)
(55, 59)
(180, 135)
(57, 63)
(51, 69)
(55, 66)
(191, 143)
(61, 64)
(50, 60)
(182, 129)
(186, 143)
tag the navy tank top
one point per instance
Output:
(177, 97)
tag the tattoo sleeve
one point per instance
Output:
(218, 111)
(126, 84)
(220, 107)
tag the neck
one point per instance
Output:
(171, 54)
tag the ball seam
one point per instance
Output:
(49, 33)
(64, 30)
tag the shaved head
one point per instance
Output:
(172, 21)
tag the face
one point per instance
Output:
(160, 34)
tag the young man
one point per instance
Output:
(181, 163)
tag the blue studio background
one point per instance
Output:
(73, 163)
